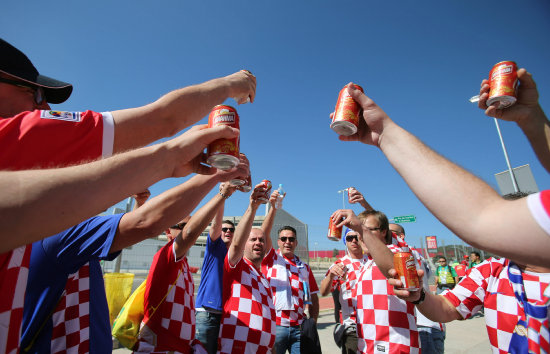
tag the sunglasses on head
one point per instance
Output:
(289, 239)
(39, 95)
(179, 226)
(225, 229)
(350, 238)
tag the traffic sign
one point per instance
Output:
(405, 218)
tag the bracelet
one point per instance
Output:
(421, 299)
(223, 195)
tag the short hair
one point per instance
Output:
(228, 222)
(382, 220)
(401, 227)
(287, 227)
(515, 195)
(476, 253)
(439, 257)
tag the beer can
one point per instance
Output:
(334, 232)
(241, 180)
(345, 120)
(405, 265)
(267, 186)
(223, 153)
(503, 81)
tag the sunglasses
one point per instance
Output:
(351, 238)
(289, 239)
(225, 229)
(39, 95)
(179, 226)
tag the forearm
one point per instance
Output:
(326, 285)
(168, 115)
(267, 225)
(537, 131)
(379, 251)
(314, 307)
(242, 231)
(216, 227)
(438, 309)
(366, 205)
(52, 199)
(162, 211)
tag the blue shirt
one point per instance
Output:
(52, 261)
(209, 295)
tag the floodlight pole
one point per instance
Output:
(343, 191)
(512, 176)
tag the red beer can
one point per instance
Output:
(267, 186)
(503, 81)
(334, 232)
(223, 153)
(345, 120)
(405, 265)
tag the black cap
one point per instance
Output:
(13, 62)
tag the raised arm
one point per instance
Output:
(178, 109)
(356, 197)
(167, 209)
(379, 251)
(37, 203)
(267, 224)
(526, 112)
(226, 191)
(242, 231)
(464, 203)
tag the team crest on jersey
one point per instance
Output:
(61, 115)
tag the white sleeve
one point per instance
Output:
(539, 205)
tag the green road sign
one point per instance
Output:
(405, 218)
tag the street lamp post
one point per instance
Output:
(343, 191)
(315, 253)
(512, 176)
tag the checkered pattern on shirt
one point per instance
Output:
(248, 320)
(71, 318)
(345, 286)
(385, 323)
(488, 285)
(173, 323)
(13, 282)
(274, 263)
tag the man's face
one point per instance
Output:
(287, 242)
(228, 232)
(442, 262)
(254, 250)
(473, 257)
(397, 230)
(16, 99)
(352, 243)
(372, 223)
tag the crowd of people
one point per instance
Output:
(252, 298)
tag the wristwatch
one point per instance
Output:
(421, 298)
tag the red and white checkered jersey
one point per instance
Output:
(385, 323)
(248, 320)
(172, 326)
(345, 286)
(71, 318)
(286, 277)
(488, 285)
(539, 205)
(42, 139)
(13, 282)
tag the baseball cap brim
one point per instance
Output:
(56, 91)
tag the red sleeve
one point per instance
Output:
(313, 288)
(42, 139)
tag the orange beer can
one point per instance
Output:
(346, 114)
(503, 81)
(334, 233)
(223, 153)
(405, 265)
(267, 186)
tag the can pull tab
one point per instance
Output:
(474, 99)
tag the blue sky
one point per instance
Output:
(420, 61)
